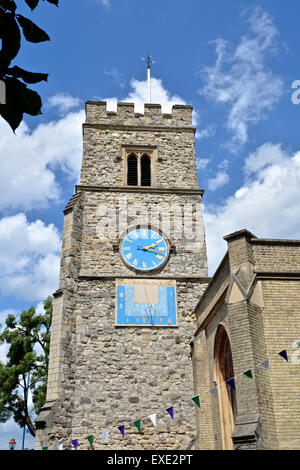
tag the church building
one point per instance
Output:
(147, 352)
(246, 347)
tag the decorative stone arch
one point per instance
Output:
(223, 371)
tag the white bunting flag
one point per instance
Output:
(105, 434)
(60, 446)
(153, 419)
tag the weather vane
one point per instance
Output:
(148, 61)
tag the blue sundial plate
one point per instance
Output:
(144, 249)
(146, 303)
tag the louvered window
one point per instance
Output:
(132, 171)
(145, 171)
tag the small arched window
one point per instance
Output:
(132, 171)
(145, 171)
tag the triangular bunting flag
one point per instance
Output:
(153, 419)
(214, 391)
(196, 400)
(91, 440)
(137, 424)
(105, 434)
(170, 411)
(122, 430)
(248, 373)
(231, 383)
(283, 354)
(60, 446)
(75, 443)
(45, 448)
(266, 365)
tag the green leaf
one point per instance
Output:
(31, 31)
(8, 5)
(19, 100)
(28, 77)
(11, 40)
(32, 3)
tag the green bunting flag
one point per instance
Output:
(196, 400)
(45, 448)
(91, 440)
(248, 373)
(137, 424)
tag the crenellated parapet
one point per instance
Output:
(97, 113)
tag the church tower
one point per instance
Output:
(133, 267)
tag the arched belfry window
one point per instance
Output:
(132, 170)
(139, 166)
(226, 394)
(145, 170)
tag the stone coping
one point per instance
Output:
(145, 128)
(139, 189)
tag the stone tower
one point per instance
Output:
(133, 267)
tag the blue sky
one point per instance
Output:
(233, 61)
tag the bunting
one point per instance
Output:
(137, 424)
(214, 391)
(153, 417)
(196, 400)
(248, 373)
(75, 443)
(283, 354)
(231, 383)
(266, 365)
(91, 440)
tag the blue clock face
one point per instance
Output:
(144, 249)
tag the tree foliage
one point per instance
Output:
(19, 98)
(29, 342)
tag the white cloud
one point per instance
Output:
(64, 102)
(218, 181)
(116, 76)
(139, 96)
(202, 163)
(29, 258)
(29, 160)
(267, 203)
(241, 80)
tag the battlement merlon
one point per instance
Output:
(96, 113)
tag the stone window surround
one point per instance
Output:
(139, 151)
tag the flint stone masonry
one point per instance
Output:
(102, 376)
(105, 135)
